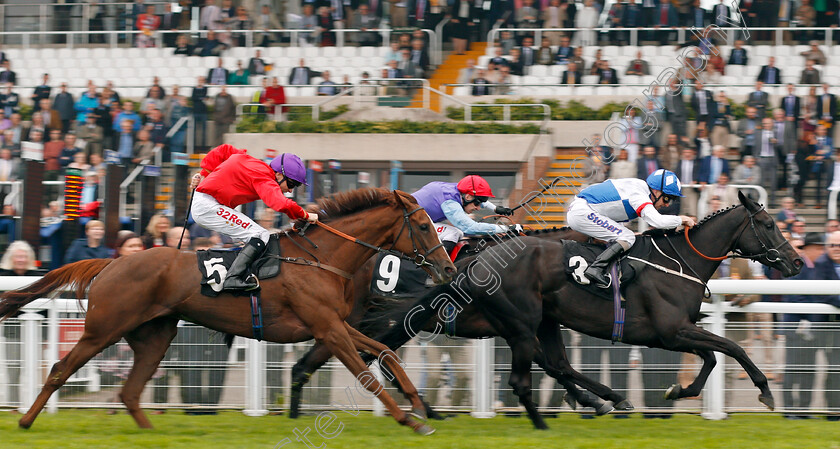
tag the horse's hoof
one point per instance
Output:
(624, 406)
(673, 393)
(768, 401)
(419, 413)
(605, 408)
(24, 425)
(424, 430)
(293, 415)
(541, 426)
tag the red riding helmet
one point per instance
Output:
(475, 185)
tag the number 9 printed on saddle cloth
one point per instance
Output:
(229, 178)
(597, 210)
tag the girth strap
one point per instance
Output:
(256, 316)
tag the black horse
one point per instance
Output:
(469, 322)
(535, 296)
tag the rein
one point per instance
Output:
(772, 254)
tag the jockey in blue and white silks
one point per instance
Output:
(453, 202)
(598, 210)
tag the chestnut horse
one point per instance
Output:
(141, 297)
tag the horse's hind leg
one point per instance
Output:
(302, 372)
(523, 350)
(87, 347)
(392, 362)
(149, 342)
(558, 366)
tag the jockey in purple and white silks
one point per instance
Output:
(448, 201)
(598, 210)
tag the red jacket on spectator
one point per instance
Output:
(277, 95)
(52, 151)
(234, 178)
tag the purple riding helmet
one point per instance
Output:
(290, 166)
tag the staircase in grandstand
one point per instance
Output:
(448, 72)
(567, 164)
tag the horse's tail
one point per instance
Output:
(80, 274)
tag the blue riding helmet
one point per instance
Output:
(666, 182)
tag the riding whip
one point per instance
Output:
(186, 219)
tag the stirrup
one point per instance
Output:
(609, 276)
(256, 279)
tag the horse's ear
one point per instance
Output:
(751, 205)
(398, 199)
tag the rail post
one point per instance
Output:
(483, 375)
(255, 378)
(713, 394)
(30, 376)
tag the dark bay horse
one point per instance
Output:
(470, 322)
(142, 297)
(533, 295)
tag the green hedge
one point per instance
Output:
(252, 125)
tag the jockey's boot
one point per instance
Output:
(239, 277)
(598, 272)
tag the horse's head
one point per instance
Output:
(418, 238)
(763, 239)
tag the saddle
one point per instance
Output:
(213, 265)
(577, 257)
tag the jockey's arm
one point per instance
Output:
(488, 205)
(458, 217)
(659, 221)
(273, 196)
(216, 156)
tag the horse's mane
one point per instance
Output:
(342, 204)
(672, 232)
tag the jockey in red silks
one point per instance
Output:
(448, 201)
(229, 177)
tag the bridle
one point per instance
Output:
(418, 259)
(771, 254)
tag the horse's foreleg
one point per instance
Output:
(523, 350)
(678, 392)
(317, 356)
(336, 338)
(87, 347)
(694, 338)
(149, 342)
(557, 366)
(393, 364)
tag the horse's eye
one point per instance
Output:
(424, 227)
(769, 225)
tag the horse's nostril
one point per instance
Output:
(450, 270)
(797, 263)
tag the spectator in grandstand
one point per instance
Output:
(79, 162)
(722, 191)
(308, 22)
(527, 16)
(686, 170)
(806, 16)
(257, 65)
(810, 74)
(143, 149)
(622, 167)
(41, 92)
(675, 111)
(467, 73)
(703, 104)
(4, 122)
(110, 95)
(712, 166)
(552, 16)
(767, 150)
(505, 43)
(715, 62)
(814, 54)
(212, 46)
(9, 101)
(544, 55)
(393, 53)
(607, 75)
(746, 130)
(3, 57)
(16, 129)
(127, 113)
(169, 21)
(462, 15)
(787, 214)
(747, 172)
(9, 166)
(238, 76)
(482, 85)
(638, 66)
(324, 28)
(564, 51)
(596, 64)
(199, 109)
(169, 102)
(759, 100)
(647, 164)
(721, 123)
(104, 120)
(420, 57)
(832, 225)
(302, 75)
(586, 20)
(515, 62)
(327, 87)
(822, 161)
(148, 23)
(826, 107)
(156, 86)
(504, 83)
(614, 17)
(738, 56)
(224, 114)
(275, 95)
(701, 141)
(183, 46)
(210, 16)
(242, 21)
(178, 141)
(572, 75)
(790, 106)
(406, 65)
(785, 133)
(156, 230)
(157, 131)
(770, 74)
(218, 75)
(498, 59)
(631, 17)
(124, 141)
(91, 246)
(7, 75)
(86, 104)
(266, 20)
(65, 106)
(68, 151)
